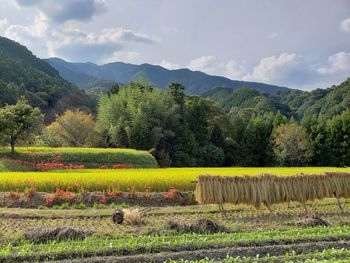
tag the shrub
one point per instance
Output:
(59, 197)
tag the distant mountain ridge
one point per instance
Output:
(89, 75)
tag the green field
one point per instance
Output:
(158, 180)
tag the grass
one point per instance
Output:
(86, 156)
(7, 166)
(158, 180)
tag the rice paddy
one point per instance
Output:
(156, 180)
(274, 237)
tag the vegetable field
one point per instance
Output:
(156, 180)
(276, 238)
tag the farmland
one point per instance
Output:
(246, 235)
(158, 180)
(82, 200)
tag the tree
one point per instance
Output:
(74, 128)
(211, 156)
(19, 121)
(114, 89)
(177, 92)
(217, 137)
(292, 145)
(197, 114)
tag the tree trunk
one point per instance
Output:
(12, 143)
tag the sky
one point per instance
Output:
(303, 44)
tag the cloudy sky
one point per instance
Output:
(295, 43)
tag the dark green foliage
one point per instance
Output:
(114, 89)
(197, 119)
(326, 102)
(217, 137)
(211, 156)
(176, 126)
(233, 101)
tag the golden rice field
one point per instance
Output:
(157, 180)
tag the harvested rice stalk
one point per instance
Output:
(269, 189)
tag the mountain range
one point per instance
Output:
(55, 85)
(90, 75)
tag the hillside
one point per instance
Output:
(327, 102)
(196, 82)
(23, 74)
(232, 101)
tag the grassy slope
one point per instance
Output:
(97, 156)
(123, 179)
(7, 166)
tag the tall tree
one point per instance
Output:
(292, 145)
(74, 128)
(19, 121)
(177, 91)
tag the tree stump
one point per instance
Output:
(118, 216)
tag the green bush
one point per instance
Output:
(211, 156)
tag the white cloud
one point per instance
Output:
(345, 25)
(77, 45)
(3, 23)
(36, 29)
(65, 10)
(337, 63)
(32, 35)
(123, 56)
(45, 38)
(273, 35)
(285, 69)
(203, 63)
(169, 65)
(235, 70)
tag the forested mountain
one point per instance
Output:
(326, 102)
(23, 74)
(296, 103)
(233, 101)
(89, 75)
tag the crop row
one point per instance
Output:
(101, 245)
(155, 180)
(325, 256)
